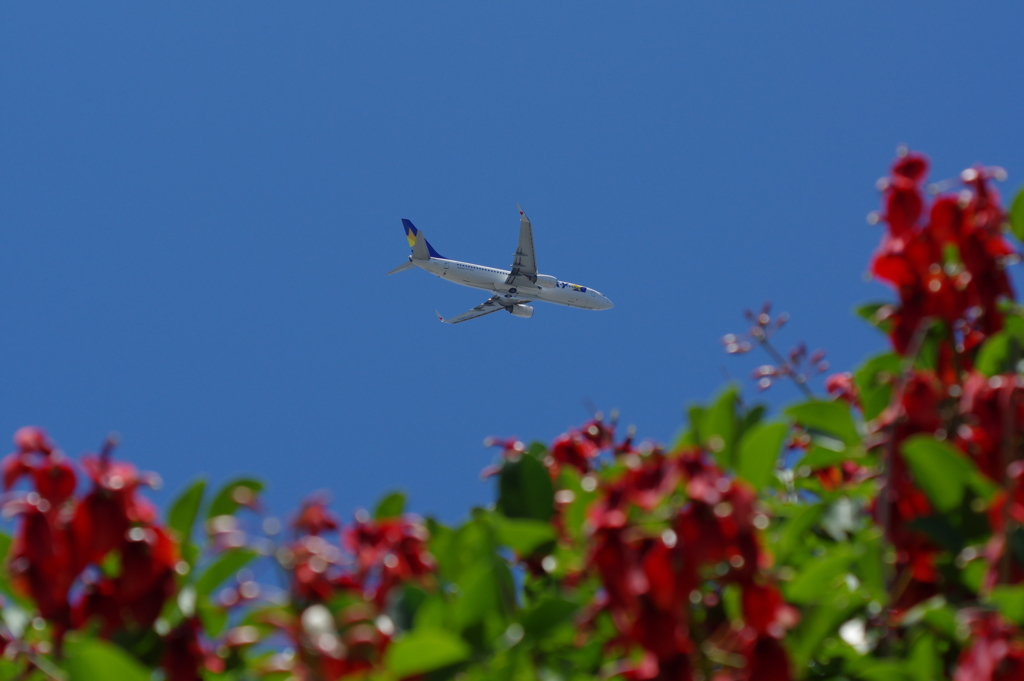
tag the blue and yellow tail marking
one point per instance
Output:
(410, 235)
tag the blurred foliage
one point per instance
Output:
(870, 534)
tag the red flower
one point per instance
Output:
(32, 439)
(315, 561)
(14, 466)
(765, 611)
(574, 449)
(183, 655)
(55, 480)
(618, 566)
(662, 632)
(995, 653)
(652, 582)
(903, 200)
(315, 518)
(148, 560)
(100, 601)
(391, 550)
(59, 537)
(41, 561)
(103, 518)
(989, 406)
(842, 387)
(952, 268)
(767, 660)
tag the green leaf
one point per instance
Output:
(487, 590)
(110, 566)
(537, 449)
(226, 501)
(869, 562)
(1016, 215)
(184, 510)
(924, 662)
(973, 575)
(883, 670)
(403, 609)
(523, 536)
(868, 311)
(939, 530)
(5, 586)
(751, 418)
(832, 418)
(479, 595)
(817, 624)
(425, 650)
(391, 506)
(226, 565)
(92, 659)
(951, 256)
(691, 435)
(720, 426)
(876, 315)
(937, 614)
(875, 379)
(1002, 351)
(935, 335)
(574, 514)
(796, 528)
(993, 356)
(214, 618)
(732, 603)
(939, 469)
(820, 456)
(548, 614)
(759, 451)
(818, 578)
(525, 489)
(433, 613)
(456, 550)
(1010, 602)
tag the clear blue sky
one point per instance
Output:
(199, 201)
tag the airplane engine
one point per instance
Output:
(524, 311)
(546, 281)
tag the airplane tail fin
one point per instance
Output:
(410, 235)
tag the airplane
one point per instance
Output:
(513, 289)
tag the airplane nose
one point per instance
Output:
(608, 304)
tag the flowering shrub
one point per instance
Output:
(872, 533)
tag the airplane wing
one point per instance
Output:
(492, 304)
(524, 263)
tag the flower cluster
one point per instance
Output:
(340, 592)
(798, 366)
(996, 651)
(947, 262)
(100, 557)
(949, 268)
(669, 533)
(949, 273)
(102, 561)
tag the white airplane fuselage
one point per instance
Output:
(511, 290)
(548, 288)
